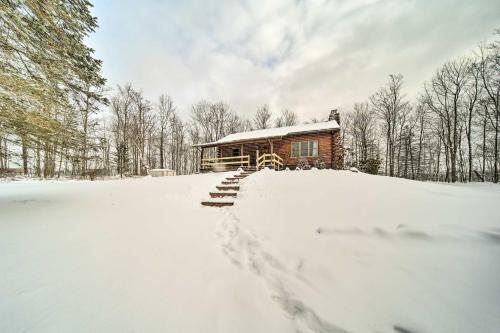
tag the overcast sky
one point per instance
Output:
(308, 56)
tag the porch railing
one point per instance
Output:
(222, 162)
(270, 160)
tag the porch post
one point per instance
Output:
(241, 155)
(201, 157)
(272, 152)
(256, 157)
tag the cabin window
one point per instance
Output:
(235, 152)
(295, 149)
(313, 148)
(305, 148)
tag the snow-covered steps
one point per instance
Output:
(223, 194)
(226, 191)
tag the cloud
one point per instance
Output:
(308, 56)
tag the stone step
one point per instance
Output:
(232, 178)
(240, 176)
(230, 182)
(228, 187)
(217, 203)
(223, 194)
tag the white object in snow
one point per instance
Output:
(161, 172)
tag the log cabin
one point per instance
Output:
(308, 145)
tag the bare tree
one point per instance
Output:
(121, 106)
(389, 104)
(262, 118)
(286, 118)
(360, 138)
(178, 146)
(213, 120)
(165, 109)
(142, 123)
(421, 122)
(364, 128)
(445, 95)
(473, 91)
(490, 76)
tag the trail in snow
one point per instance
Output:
(316, 251)
(351, 254)
(243, 248)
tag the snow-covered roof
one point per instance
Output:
(275, 132)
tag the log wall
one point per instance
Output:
(284, 149)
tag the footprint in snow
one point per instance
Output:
(400, 329)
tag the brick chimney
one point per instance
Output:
(334, 115)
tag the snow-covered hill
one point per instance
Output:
(301, 251)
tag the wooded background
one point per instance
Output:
(57, 121)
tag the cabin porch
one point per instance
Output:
(246, 155)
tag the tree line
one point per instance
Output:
(148, 135)
(449, 133)
(56, 121)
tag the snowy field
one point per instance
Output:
(301, 251)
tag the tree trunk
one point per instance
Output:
(1, 154)
(484, 141)
(420, 149)
(25, 154)
(38, 162)
(495, 177)
(438, 159)
(60, 161)
(469, 145)
(386, 153)
(85, 131)
(162, 158)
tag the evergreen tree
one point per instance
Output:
(45, 67)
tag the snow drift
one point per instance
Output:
(301, 251)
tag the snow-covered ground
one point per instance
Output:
(301, 251)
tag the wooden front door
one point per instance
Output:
(259, 150)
